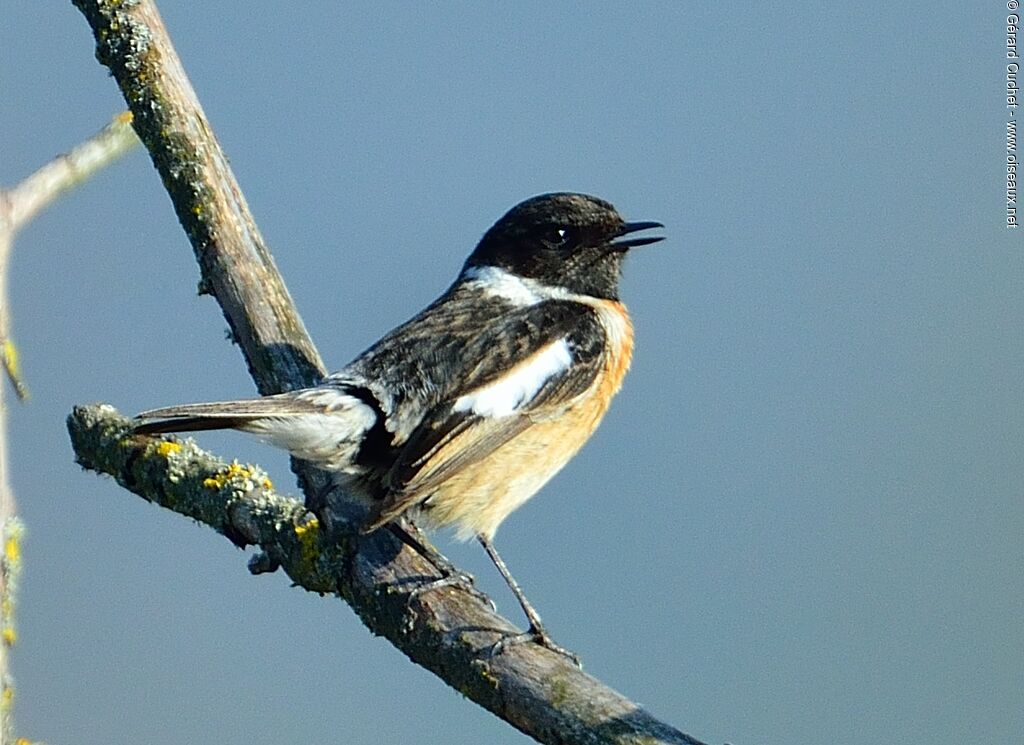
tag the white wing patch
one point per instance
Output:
(505, 396)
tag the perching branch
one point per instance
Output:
(18, 206)
(449, 632)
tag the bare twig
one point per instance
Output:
(18, 206)
(449, 632)
(21, 203)
(35, 193)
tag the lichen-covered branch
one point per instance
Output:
(447, 631)
(237, 501)
(236, 265)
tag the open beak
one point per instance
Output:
(633, 227)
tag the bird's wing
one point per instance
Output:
(554, 357)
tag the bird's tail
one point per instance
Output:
(218, 415)
(325, 425)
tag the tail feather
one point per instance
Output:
(185, 424)
(220, 414)
(323, 425)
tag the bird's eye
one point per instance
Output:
(559, 237)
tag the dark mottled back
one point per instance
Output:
(446, 345)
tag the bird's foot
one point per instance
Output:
(455, 578)
(535, 634)
(451, 576)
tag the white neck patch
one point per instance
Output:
(518, 290)
(500, 283)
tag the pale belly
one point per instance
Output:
(477, 499)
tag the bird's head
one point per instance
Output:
(570, 241)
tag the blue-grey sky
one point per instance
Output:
(801, 521)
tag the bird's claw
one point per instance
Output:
(457, 579)
(536, 635)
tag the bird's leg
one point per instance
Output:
(536, 631)
(409, 533)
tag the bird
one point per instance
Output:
(461, 414)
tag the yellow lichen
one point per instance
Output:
(11, 357)
(12, 549)
(490, 678)
(125, 117)
(10, 569)
(308, 534)
(9, 353)
(560, 692)
(234, 472)
(165, 448)
(307, 526)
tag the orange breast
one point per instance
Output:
(477, 499)
(619, 328)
